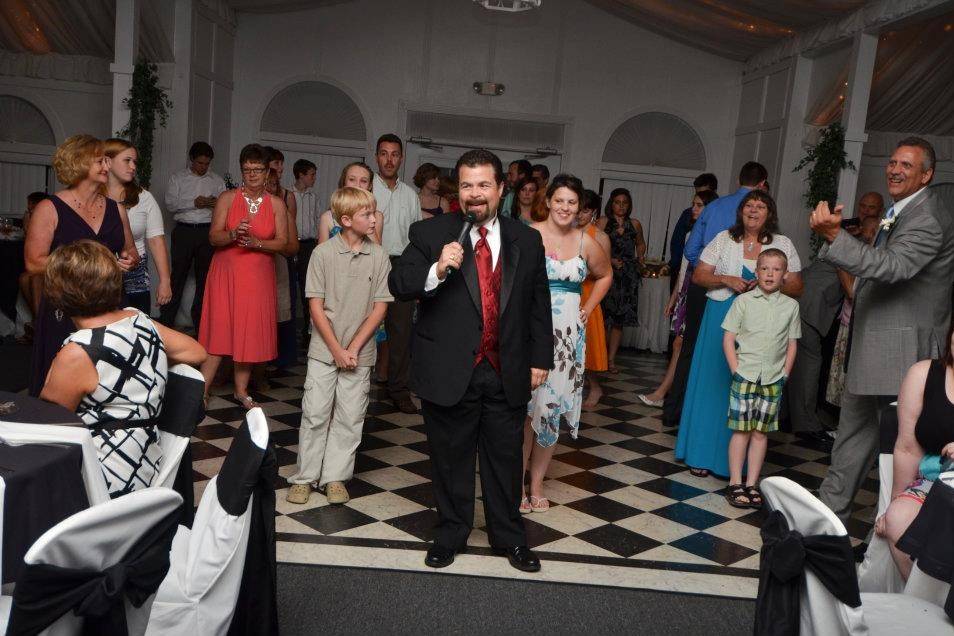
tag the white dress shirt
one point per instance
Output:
(184, 188)
(903, 203)
(308, 214)
(493, 240)
(400, 208)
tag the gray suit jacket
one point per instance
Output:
(903, 299)
(821, 300)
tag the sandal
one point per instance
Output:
(247, 402)
(539, 504)
(698, 472)
(754, 495)
(613, 369)
(737, 497)
(525, 508)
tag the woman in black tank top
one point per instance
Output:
(925, 440)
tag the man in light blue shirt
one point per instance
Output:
(720, 214)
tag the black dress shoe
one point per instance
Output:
(520, 557)
(404, 404)
(439, 557)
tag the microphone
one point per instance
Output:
(469, 219)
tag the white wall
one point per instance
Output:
(566, 60)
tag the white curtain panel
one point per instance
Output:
(656, 206)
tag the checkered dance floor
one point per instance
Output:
(624, 512)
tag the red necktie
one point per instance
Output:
(489, 300)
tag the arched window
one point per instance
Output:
(656, 139)
(21, 122)
(315, 109)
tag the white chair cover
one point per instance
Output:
(17, 433)
(199, 593)
(96, 539)
(821, 613)
(5, 601)
(878, 572)
(922, 585)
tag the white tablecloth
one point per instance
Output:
(653, 330)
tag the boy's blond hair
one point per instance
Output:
(348, 201)
(772, 252)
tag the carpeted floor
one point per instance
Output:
(325, 600)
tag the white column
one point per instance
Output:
(791, 186)
(126, 47)
(855, 115)
(178, 131)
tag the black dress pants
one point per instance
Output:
(695, 307)
(482, 421)
(190, 248)
(397, 324)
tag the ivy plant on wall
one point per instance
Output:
(827, 159)
(148, 105)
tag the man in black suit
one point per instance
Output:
(482, 340)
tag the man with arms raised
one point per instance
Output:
(483, 339)
(902, 306)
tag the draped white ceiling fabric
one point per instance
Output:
(736, 29)
(913, 85)
(76, 27)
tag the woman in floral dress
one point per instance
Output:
(570, 255)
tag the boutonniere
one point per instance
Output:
(887, 224)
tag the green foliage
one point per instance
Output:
(827, 159)
(148, 105)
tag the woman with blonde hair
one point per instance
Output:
(145, 222)
(80, 211)
(356, 174)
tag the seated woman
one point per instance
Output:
(112, 370)
(925, 434)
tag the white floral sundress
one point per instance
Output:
(557, 402)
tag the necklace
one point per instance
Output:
(80, 205)
(253, 204)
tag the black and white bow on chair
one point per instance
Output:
(808, 584)
(97, 571)
(222, 574)
(182, 411)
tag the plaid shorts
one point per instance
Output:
(754, 406)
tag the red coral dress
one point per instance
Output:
(239, 310)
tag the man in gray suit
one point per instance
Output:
(901, 310)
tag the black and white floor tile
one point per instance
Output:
(624, 511)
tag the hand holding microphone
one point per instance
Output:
(453, 253)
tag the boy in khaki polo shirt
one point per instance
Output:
(762, 330)
(347, 288)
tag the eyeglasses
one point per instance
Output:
(254, 170)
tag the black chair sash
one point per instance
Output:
(182, 407)
(785, 555)
(44, 592)
(928, 540)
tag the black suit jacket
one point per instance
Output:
(446, 334)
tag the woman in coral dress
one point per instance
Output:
(596, 360)
(239, 310)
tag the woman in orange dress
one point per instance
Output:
(239, 310)
(596, 360)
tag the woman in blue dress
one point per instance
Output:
(726, 268)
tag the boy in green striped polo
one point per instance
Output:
(761, 331)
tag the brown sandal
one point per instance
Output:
(737, 497)
(754, 495)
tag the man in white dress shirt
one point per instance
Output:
(307, 220)
(399, 204)
(190, 198)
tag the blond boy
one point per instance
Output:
(347, 291)
(762, 329)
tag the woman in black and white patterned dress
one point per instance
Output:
(112, 370)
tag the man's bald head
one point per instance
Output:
(871, 204)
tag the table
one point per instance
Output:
(652, 333)
(11, 266)
(43, 486)
(31, 410)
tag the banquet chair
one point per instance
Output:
(5, 601)
(181, 412)
(923, 585)
(80, 562)
(820, 612)
(199, 594)
(878, 572)
(93, 479)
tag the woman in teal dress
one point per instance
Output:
(726, 268)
